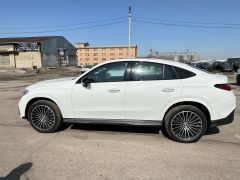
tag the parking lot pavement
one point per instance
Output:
(110, 152)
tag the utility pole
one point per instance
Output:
(187, 54)
(129, 30)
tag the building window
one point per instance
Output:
(87, 59)
(112, 54)
(86, 49)
(121, 49)
(103, 49)
(111, 49)
(103, 54)
(95, 49)
(86, 54)
(120, 54)
(95, 54)
(112, 58)
(104, 59)
(95, 59)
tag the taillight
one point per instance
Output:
(226, 86)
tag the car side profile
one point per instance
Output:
(182, 99)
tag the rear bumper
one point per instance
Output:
(227, 120)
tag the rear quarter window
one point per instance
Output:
(183, 73)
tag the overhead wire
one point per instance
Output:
(62, 30)
(186, 25)
(188, 22)
(65, 25)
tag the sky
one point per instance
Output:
(76, 21)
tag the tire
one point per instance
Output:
(186, 131)
(238, 79)
(45, 116)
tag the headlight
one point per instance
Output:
(25, 92)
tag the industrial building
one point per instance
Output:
(37, 52)
(176, 56)
(93, 55)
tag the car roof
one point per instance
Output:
(162, 61)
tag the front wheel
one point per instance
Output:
(45, 116)
(185, 124)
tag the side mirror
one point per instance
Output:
(85, 81)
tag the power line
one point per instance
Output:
(186, 25)
(65, 25)
(189, 22)
(70, 29)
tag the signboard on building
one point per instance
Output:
(28, 46)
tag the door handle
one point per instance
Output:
(114, 90)
(168, 90)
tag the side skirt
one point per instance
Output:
(113, 121)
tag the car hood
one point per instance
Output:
(52, 82)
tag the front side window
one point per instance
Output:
(147, 71)
(113, 72)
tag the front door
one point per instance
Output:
(103, 98)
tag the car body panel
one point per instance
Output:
(99, 100)
(144, 100)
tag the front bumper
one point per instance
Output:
(22, 106)
(227, 120)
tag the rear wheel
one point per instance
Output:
(185, 123)
(44, 116)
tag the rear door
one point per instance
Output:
(152, 87)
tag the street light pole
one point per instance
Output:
(129, 30)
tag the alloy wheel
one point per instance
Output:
(186, 125)
(42, 117)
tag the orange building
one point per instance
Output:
(93, 55)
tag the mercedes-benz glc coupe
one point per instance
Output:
(182, 99)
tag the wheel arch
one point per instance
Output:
(33, 100)
(198, 105)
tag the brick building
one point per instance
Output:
(92, 55)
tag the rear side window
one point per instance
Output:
(147, 71)
(183, 73)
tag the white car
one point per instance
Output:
(182, 99)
